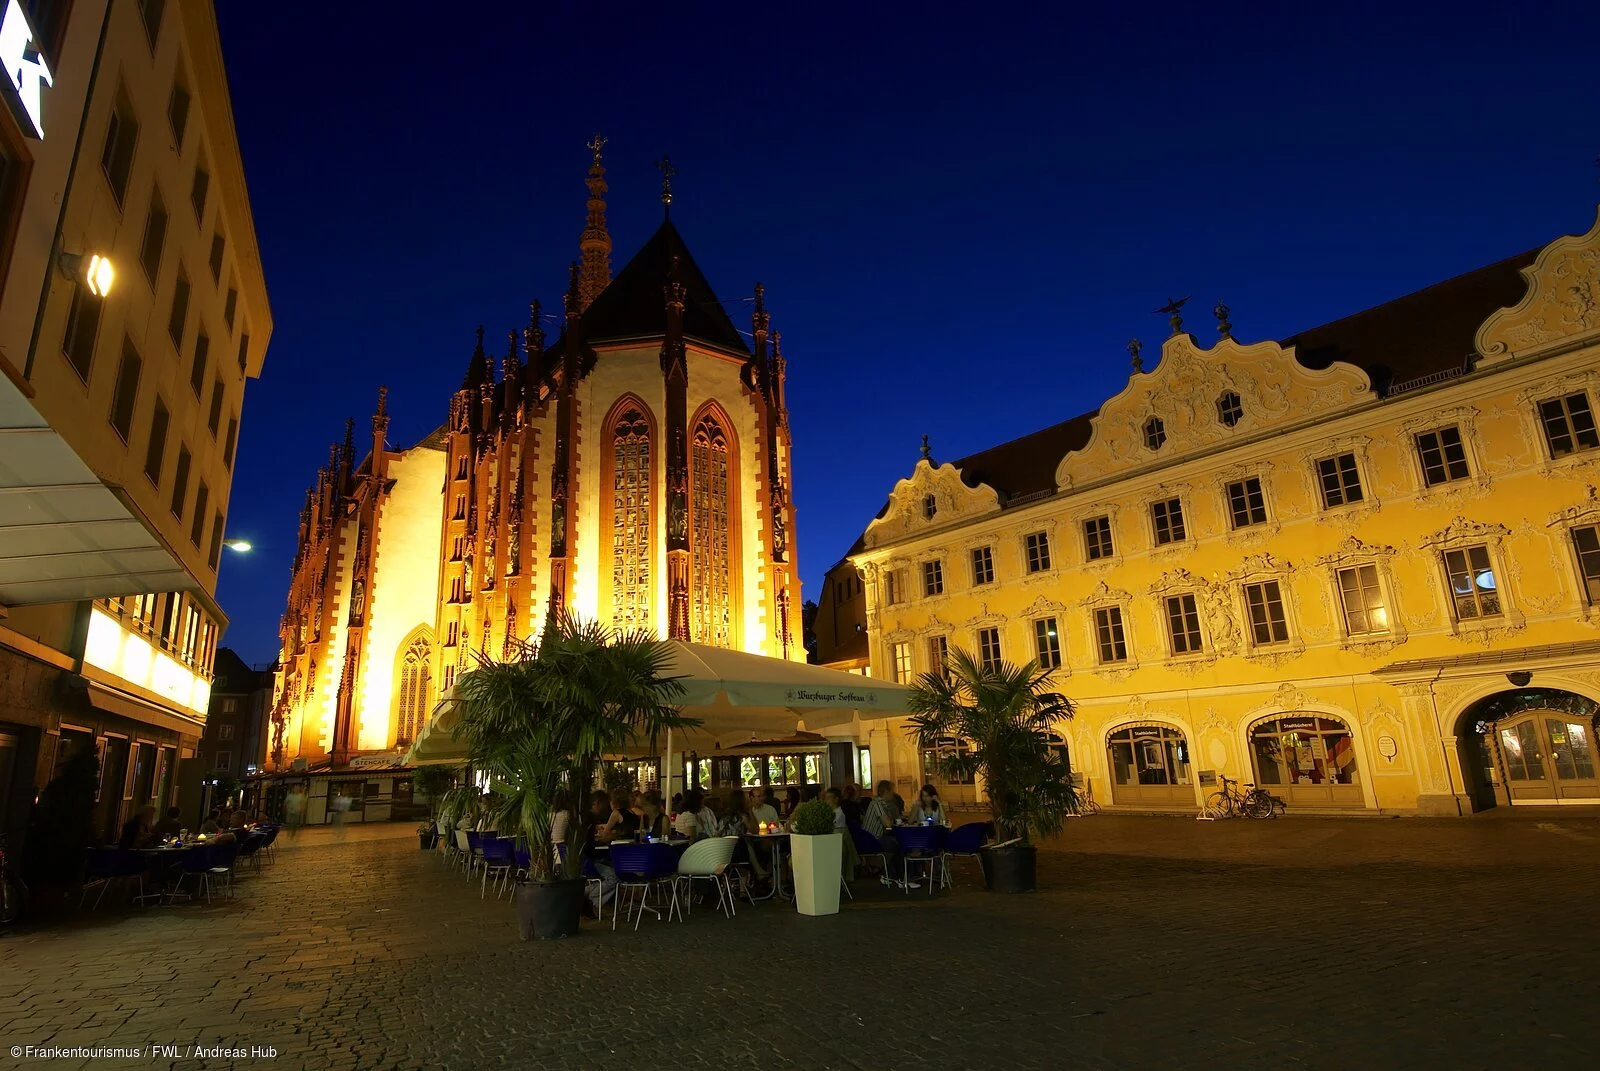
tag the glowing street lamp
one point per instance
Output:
(95, 271)
(241, 546)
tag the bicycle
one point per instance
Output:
(1229, 802)
(1085, 807)
(13, 893)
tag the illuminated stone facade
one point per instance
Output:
(1360, 566)
(634, 470)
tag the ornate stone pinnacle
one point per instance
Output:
(1224, 328)
(664, 165)
(1134, 348)
(927, 452)
(1173, 309)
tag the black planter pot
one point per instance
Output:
(428, 841)
(547, 910)
(1009, 870)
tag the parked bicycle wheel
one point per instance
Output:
(1220, 804)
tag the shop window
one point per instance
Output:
(1443, 456)
(1473, 590)
(1246, 503)
(1149, 755)
(1568, 424)
(1362, 600)
(1168, 518)
(1109, 635)
(982, 566)
(1340, 480)
(1303, 749)
(1097, 538)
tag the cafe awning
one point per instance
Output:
(736, 695)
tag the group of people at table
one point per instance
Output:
(697, 815)
(143, 831)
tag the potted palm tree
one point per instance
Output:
(817, 851)
(431, 783)
(538, 723)
(1007, 713)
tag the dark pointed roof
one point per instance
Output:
(634, 304)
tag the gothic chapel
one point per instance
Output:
(634, 470)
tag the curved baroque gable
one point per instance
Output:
(1562, 304)
(953, 500)
(1183, 392)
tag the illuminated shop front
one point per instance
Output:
(1307, 760)
(1150, 766)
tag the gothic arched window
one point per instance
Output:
(415, 690)
(630, 508)
(712, 518)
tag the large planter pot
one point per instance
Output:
(817, 866)
(547, 910)
(428, 841)
(1010, 869)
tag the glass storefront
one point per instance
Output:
(1548, 756)
(1309, 760)
(1150, 766)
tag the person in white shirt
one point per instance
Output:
(836, 801)
(760, 809)
(686, 823)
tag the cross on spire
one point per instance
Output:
(597, 143)
(664, 165)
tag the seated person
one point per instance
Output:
(836, 801)
(687, 821)
(238, 819)
(760, 809)
(622, 823)
(138, 831)
(170, 825)
(927, 810)
(599, 816)
(706, 815)
(213, 821)
(883, 814)
(654, 820)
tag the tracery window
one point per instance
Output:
(416, 690)
(630, 521)
(710, 513)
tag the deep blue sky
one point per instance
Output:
(961, 215)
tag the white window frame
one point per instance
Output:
(1054, 633)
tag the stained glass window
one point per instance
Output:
(630, 522)
(712, 607)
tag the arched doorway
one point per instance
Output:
(1308, 759)
(1150, 766)
(1531, 746)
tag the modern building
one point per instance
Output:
(635, 472)
(123, 391)
(1360, 566)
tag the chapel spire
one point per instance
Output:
(595, 243)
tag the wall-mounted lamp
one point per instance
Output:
(93, 270)
(241, 546)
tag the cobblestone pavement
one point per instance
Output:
(1153, 943)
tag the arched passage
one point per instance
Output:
(1530, 746)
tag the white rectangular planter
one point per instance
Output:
(817, 868)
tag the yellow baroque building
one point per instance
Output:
(1360, 566)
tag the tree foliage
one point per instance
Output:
(1008, 714)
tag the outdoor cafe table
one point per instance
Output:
(163, 857)
(779, 841)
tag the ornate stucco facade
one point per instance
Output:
(1360, 566)
(634, 470)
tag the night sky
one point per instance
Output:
(960, 221)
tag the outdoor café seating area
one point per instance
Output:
(177, 867)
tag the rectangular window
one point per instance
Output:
(1168, 518)
(900, 656)
(197, 367)
(455, 589)
(1568, 424)
(1267, 623)
(982, 566)
(456, 548)
(178, 113)
(127, 392)
(83, 330)
(1443, 456)
(461, 467)
(155, 450)
(219, 245)
(231, 442)
(1097, 538)
(1587, 542)
(224, 761)
(1109, 636)
(244, 351)
(116, 156)
(461, 507)
(1047, 642)
(1341, 483)
(938, 654)
(1246, 503)
(230, 305)
(932, 577)
(1472, 583)
(197, 192)
(1183, 624)
(180, 482)
(150, 11)
(215, 554)
(1364, 611)
(988, 647)
(155, 238)
(1037, 546)
(197, 527)
(180, 310)
(214, 418)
